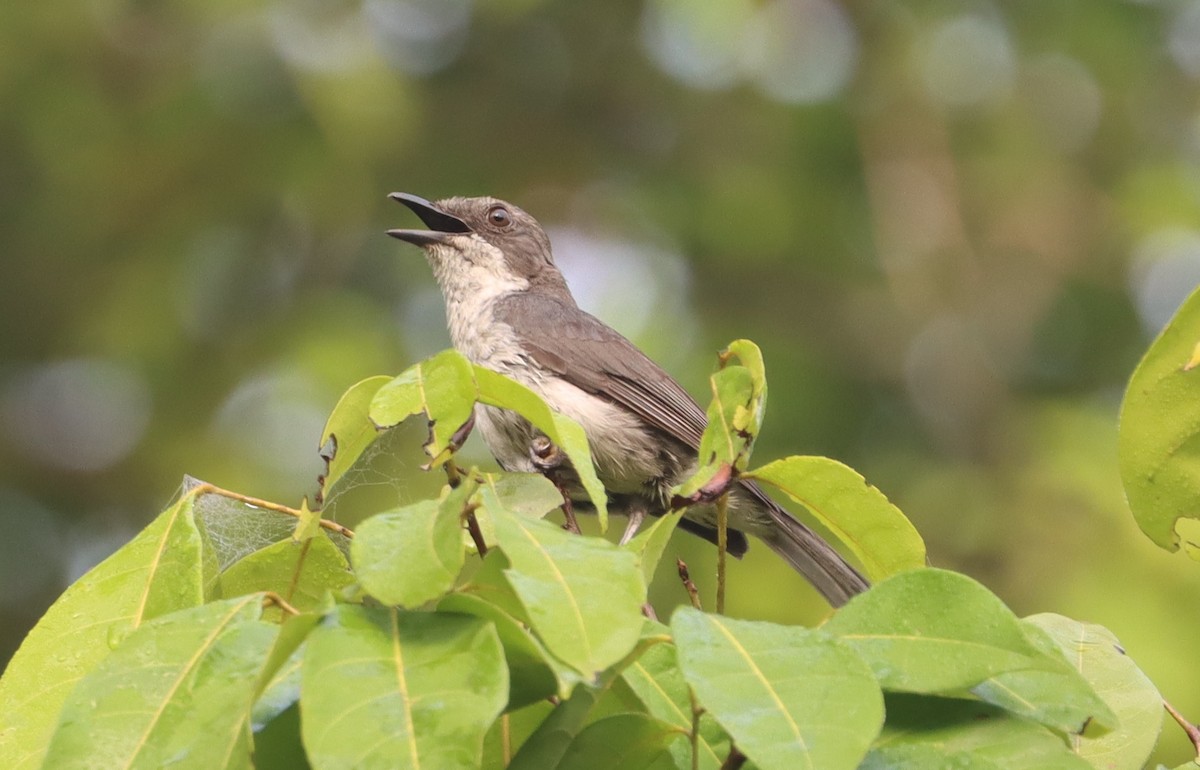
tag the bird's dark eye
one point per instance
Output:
(498, 216)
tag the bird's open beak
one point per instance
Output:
(440, 223)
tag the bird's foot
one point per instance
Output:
(636, 517)
(549, 459)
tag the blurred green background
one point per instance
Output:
(952, 226)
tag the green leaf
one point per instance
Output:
(180, 686)
(544, 749)
(533, 673)
(442, 387)
(285, 568)
(858, 514)
(1137, 704)
(1159, 437)
(628, 741)
(789, 697)
(935, 631)
(510, 732)
(656, 680)
(651, 542)
(349, 430)
(583, 595)
(308, 523)
(924, 732)
(526, 494)
(563, 432)
(378, 684)
(1058, 696)
(157, 572)
(412, 555)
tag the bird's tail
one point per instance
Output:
(813, 558)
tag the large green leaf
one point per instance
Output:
(858, 514)
(924, 732)
(789, 697)
(630, 741)
(180, 688)
(443, 387)
(397, 689)
(157, 572)
(935, 631)
(1160, 430)
(1134, 699)
(545, 747)
(533, 673)
(349, 430)
(652, 541)
(527, 494)
(565, 433)
(412, 555)
(655, 679)
(1057, 696)
(301, 576)
(583, 595)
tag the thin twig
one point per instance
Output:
(255, 502)
(1192, 730)
(722, 547)
(505, 739)
(735, 760)
(473, 528)
(688, 585)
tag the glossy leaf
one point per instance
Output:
(925, 732)
(412, 555)
(1058, 695)
(302, 577)
(934, 631)
(443, 387)
(349, 430)
(1160, 430)
(583, 595)
(858, 514)
(563, 432)
(788, 696)
(378, 684)
(180, 686)
(156, 573)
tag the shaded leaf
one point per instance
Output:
(788, 696)
(630, 741)
(583, 595)
(565, 433)
(545, 747)
(180, 686)
(858, 514)
(377, 684)
(924, 732)
(656, 680)
(1159, 438)
(934, 631)
(157, 572)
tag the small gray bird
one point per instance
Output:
(509, 309)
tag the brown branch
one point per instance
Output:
(1192, 730)
(255, 502)
(688, 585)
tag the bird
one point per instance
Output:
(509, 309)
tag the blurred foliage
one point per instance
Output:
(952, 226)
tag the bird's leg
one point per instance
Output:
(549, 459)
(637, 514)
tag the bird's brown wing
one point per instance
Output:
(602, 362)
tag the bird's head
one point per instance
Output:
(482, 243)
